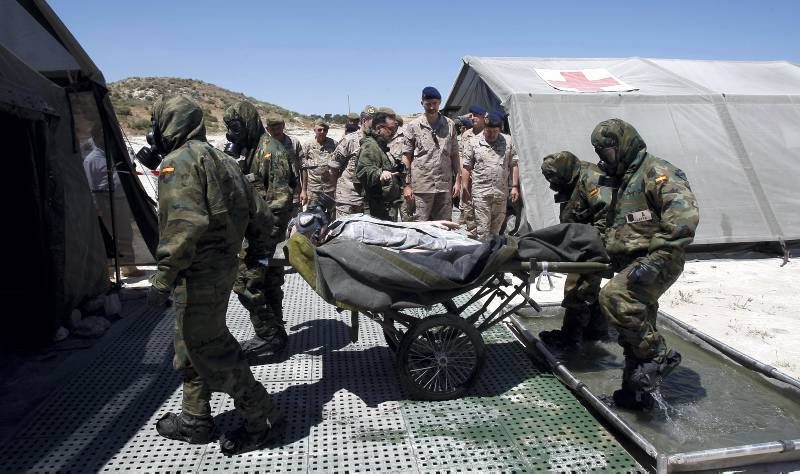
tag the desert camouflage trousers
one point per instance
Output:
(490, 213)
(210, 358)
(467, 218)
(433, 206)
(632, 308)
(348, 209)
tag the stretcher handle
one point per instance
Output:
(562, 267)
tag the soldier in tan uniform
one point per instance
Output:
(478, 117)
(275, 127)
(489, 160)
(349, 196)
(430, 154)
(318, 188)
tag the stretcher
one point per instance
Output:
(440, 356)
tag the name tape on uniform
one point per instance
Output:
(639, 216)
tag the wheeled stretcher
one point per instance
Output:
(440, 356)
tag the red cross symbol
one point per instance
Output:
(578, 80)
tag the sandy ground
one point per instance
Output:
(752, 305)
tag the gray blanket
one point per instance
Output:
(374, 278)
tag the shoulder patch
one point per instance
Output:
(660, 179)
(167, 170)
(267, 155)
(594, 192)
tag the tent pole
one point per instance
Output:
(111, 191)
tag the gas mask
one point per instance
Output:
(556, 185)
(237, 138)
(608, 153)
(151, 156)
(313, 224)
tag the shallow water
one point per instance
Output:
(707, 402)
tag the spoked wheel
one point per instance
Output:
(440, 358)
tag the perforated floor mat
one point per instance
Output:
(344, 407)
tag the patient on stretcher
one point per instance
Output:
(407, 236)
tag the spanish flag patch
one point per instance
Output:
(267, 156)
(167, 170)
(594, 192)
(661, 179)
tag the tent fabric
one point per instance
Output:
(733, 127)
(76, 247)
(48, 82)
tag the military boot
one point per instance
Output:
(188, 428)
(569, 335)
(241, 440)
(267, 348)
(628, 396)
(597, 327)
(648, 376)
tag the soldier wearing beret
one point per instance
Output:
(430, 153)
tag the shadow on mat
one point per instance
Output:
(368, 372)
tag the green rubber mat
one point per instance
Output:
(344, 406)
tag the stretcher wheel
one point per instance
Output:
(440, 357)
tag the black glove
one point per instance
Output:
(157, 298)
(642, 274)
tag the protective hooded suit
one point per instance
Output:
(267, 167)
(206, 208)
(651, 220)
(582, 201)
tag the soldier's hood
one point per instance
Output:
(178, 120)
(564, 166)
(248, 114)
(628, 139)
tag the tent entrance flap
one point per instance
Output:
(29, 294)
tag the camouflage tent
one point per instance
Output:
(53, 99)
(734, 127)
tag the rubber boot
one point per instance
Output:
(570, 333)
(268, 348)
(628, 396)
(648, 376)
(597, 327)
(188, 428)
(242, 441)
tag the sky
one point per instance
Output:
(309, 56)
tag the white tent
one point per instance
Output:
(733, 127)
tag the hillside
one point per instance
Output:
(132, 98)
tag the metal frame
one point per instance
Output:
(719, 458)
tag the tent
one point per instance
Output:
(733, 127)
(53, 102)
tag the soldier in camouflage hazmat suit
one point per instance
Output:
(267, 167)
(582, 201)
(652, 218)
(205, 209)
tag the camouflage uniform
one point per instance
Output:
(651, 219)
(407, 208)
(349, 198)
(268, 167)
(434, 166)
(582, 201)
(490, 165)
(295, 150)
(381, 198)
(206, 208)
(467, 206)
(314, 160)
